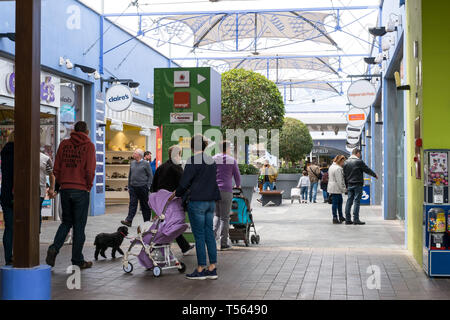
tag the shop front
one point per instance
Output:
(125, 132)
(61, 106)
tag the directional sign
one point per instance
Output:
(200, 117)
(196, 90)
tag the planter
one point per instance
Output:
(286, 182)
(248, 184)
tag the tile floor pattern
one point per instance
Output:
(301, 256)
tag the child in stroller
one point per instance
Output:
(155, 238)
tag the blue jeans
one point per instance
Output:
(336, 206)
(313, 192)
(40, 214)
(138, 194)
(304, 193)
(201, 216)
(325, 195)
(267, 185)
(354, 197)
(8, 217)
(75, 206)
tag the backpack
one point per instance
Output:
(325, 178)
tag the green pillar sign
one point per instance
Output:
(185, 95)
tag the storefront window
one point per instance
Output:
(71, 107)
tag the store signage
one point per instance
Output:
(181, 100)
(183, 117)
(361, 94)
(352, 140)
(354, 131)
(357, 117)
(181, 79)
(48, 90)
(67, 96)
(119, 98)
(11, 83)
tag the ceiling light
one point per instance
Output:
(10, 35)
(85, 69)
(69, 64)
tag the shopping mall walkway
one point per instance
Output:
(301, 256)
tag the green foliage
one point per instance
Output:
(290, 170)
(295, 140)
(250, 101)
(247, 169)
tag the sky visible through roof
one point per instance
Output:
(176, 39)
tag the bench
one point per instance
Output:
(274, 196)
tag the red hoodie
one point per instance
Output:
(75, 162)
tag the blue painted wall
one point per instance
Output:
(72, 30)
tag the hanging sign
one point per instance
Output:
(119, 98)
(11, 83)
(357, 117)
(354, 131)
(361, 94)
(352, 140)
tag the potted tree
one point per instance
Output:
(295, 143)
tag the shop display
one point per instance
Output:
(116, 176)
(436, 258)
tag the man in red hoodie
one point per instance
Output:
(74, 170)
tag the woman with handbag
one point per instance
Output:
(336, 187)
(198, 187)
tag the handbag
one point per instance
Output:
(330, 200)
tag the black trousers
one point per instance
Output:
(138, 194)
(183, 243)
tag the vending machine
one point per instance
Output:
(436, 214)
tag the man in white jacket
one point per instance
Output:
(336, 188)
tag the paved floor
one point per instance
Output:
(301, 256)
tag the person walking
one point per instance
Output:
(336, 188)
(314, 177)
(324, 181)
(199, 185)
(304, 185)
(74, 171)
(354, 169)
(6, 197)
(140, 180)
(45, 169)
(167, 177)
(227, 169)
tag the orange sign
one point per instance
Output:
(356, 117)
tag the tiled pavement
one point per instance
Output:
(301, 256)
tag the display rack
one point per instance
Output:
(117, 170)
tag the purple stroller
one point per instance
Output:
(155, 238)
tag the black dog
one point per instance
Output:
(105, 240)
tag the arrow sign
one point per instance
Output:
(200, 100)
(200, 117)
(200, 79)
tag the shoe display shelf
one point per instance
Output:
(116, 177)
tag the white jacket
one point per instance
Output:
(336, 183)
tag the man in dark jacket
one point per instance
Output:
(167, 177)
(354, 169)
(74, 171)
(7, 159)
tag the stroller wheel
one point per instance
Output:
(253, 239)
(182, 268)
(257, 239)
(157, 271)
(128, 268)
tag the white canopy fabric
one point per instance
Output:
(210, 29)
(307, 84)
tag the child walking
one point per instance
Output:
(304, 185)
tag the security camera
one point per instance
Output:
(96, 75)
(69, 64)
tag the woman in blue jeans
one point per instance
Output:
(336, 187)
(198, 184)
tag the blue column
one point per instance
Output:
(385, 142)
(372, 153)
(97, 135)
(26, 284)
